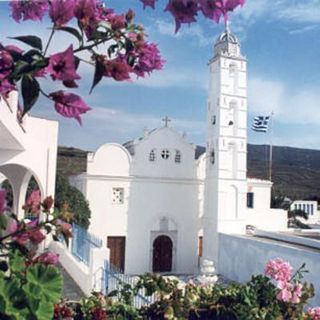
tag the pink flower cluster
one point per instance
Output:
(29, 10)
(278, 270)
(289, 292)
(139, 56)
(33, 202)
(281, 271)
(314, 313)
(48, 258)
(31, 235)
(146, 56)
(6, 67)
(186, 11)
(88, 13)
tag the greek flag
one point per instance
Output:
(260, 123)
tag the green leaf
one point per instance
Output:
(3, 221)
(30, 90)
(112, 49)
(44, 281)
(17, 263)
(98, 74)
(45, 311)
(32, 41)
(32, 55)
(75, 32)
(10, 296)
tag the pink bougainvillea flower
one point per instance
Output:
(6, 64)
(118, 69)
(13, 49)
(47, 203)
(36, 236)
(86, 11)
(33, 202)
(33, 236)
(314, 313)
(149, 59)
(48, 258)
(61, 11)
(62, 66)
(3, 201)
(22, 238)
(12, 227)
(183, 11)
(117, 22)
(40, 73)
(28, 9)
(212, 9)
(69, 105)
(6, 87)
(279, 270)
(148, 3)
(232, 4)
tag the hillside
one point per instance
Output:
(296, 172)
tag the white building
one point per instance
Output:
(159, 202)
(309, 207)
(26, 149)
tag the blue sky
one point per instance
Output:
(281, 42)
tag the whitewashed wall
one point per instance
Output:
(88, 278)
(261, 216)
(153, 199)
(314, 217)
(28, 148)
(241, 257)
(159, 140)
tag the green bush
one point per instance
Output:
(67, 194)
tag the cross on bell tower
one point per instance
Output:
(166, 121)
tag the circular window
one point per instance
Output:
(165, 154)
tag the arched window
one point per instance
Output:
(232, 69)
(152, 155)
(177, 158)
(212, 156)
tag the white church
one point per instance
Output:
(159, 202)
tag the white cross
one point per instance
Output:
(166, 121)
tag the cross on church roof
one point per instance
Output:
(166, 121)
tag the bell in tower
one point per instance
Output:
(227, 44)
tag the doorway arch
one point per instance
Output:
(162, 254)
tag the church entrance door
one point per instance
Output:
(117, 246)
(162, 254)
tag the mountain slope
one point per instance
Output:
(296, 172)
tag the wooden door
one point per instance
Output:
(117, 246)
(162, 254)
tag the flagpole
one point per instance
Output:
(271, 146)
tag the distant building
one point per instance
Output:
(159, 202)
(309, 207)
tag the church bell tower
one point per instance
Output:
(226, 150)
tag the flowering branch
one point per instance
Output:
(128, 52)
